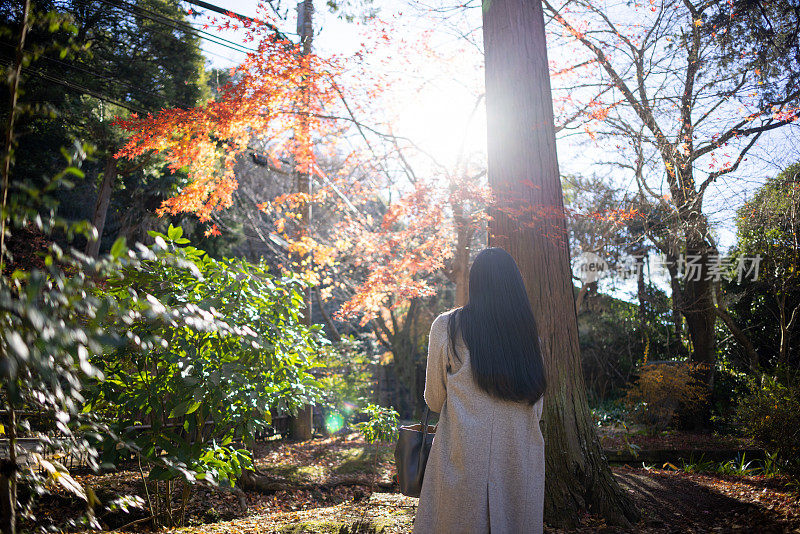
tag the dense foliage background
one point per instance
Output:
(131, 337)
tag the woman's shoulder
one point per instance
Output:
(440, 328)
(443, 319)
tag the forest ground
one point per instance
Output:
(325, 486)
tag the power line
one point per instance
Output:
(160, 19)
(216, 54)
(86, 90)
(182, 25)
(83, 89)
(179, 25)
(96, 94)
(96, 74)
(223, 11)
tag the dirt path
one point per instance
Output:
(670, 501)
(680, 502)
(324, 485)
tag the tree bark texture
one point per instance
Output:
(403, 343)
(101, 206)
(699, 309)
(528, 221)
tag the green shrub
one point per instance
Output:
(730, 385)
(609, 412)
(53, 318)
(770, 414)
(347, 382)
(192, 388)
(381, 426)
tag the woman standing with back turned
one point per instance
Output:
(485, 376)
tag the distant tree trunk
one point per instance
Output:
(529, 222)
(101, 205)
(677, 317)
(786, 325)
(401, 339)
(641, 294)
(301, 426)
(333, 332)
(460, 271)
(586, 289)
(741, 338)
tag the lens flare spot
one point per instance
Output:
(334, 422)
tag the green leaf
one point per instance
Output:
(119, 248)
(193, 407)
(180, 410)
(174, 233)
(75, 171)
(159, 473)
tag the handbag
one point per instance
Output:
(411, 455)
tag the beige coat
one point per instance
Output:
(485, 471)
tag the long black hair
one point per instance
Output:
(498, 326)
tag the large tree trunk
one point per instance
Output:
(528, 220)
(101, 205)
(697, 298)
(699, 309)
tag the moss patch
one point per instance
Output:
(295, 473)
(331, 527)
(383, 513)
(361, 459)
(317, 462)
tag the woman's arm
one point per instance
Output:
(436, 368)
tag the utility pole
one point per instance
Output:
(302, 425)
